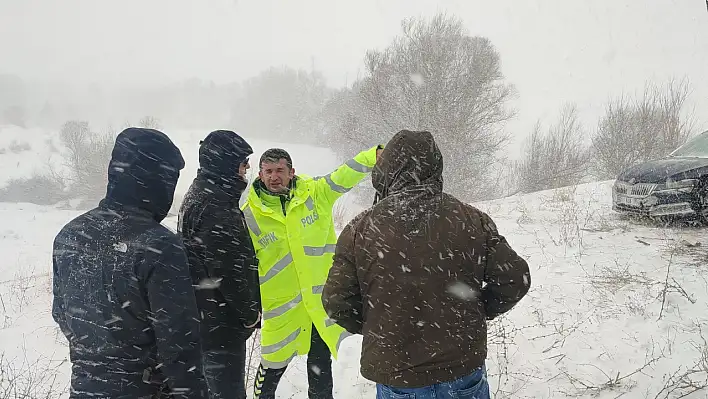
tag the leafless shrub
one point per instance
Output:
(17, 148)
(22, 288)
(434, 77)
(565, 194)
(616, 382)
(38, 189)
(253, 358)
(611, 280)
(556, 330)
(670, 284)
(556, 158)
(21, 378)
(524, 217)
(501, 343)
(568, 217)
(697, 252)
(599, 222)
(642, 129)
(87, 156)
(569, 232)
(340, 213)
(6, 320)
(687, 380)
(149, 122)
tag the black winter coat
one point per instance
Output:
(123, 295)
(221, 255)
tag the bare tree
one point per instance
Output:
(87, 156)
(15, 115)
(434, 77)
(642, 129)
(282, 103)
(557, 158)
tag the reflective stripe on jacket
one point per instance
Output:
(294, 246)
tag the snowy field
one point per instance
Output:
(616, 308)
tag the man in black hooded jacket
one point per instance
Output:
(123, 296)
(222, 260)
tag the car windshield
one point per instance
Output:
(696, 147)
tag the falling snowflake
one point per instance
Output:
(417, 79)
(209, 284)
(462, 291)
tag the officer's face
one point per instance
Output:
(276, 175)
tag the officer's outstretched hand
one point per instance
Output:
(378, 153)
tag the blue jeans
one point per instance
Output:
(473, 386)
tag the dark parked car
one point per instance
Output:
(675, 186)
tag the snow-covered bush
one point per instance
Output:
(38, 189)
(87, 154)
(555, 158)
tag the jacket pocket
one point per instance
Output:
(478, 390)
(385, 392)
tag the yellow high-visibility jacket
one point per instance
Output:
(295, 242)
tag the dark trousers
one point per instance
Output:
(224, 370)
(319, 373)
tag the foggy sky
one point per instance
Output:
(554, 51)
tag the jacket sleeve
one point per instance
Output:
(341, 296)
(338, 182)
(506, 274)
(231, 260)
(174, 316)
(58, 309)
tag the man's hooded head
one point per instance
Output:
(221, 154)
(410, 159)
(143, 171)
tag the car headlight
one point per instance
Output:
(684, 186)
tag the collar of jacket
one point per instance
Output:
(266, 200)
(112, 207)
(412, 190)
(262, 190)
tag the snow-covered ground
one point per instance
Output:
(615, 310)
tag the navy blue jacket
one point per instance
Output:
(221, 255)
(123, 295)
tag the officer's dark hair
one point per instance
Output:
(274, 155)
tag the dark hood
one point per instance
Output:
(659, 170)
(143, 172)
(410, 160)
(221, 153)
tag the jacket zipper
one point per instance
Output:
(282, 205)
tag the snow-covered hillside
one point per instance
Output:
(616, 307)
